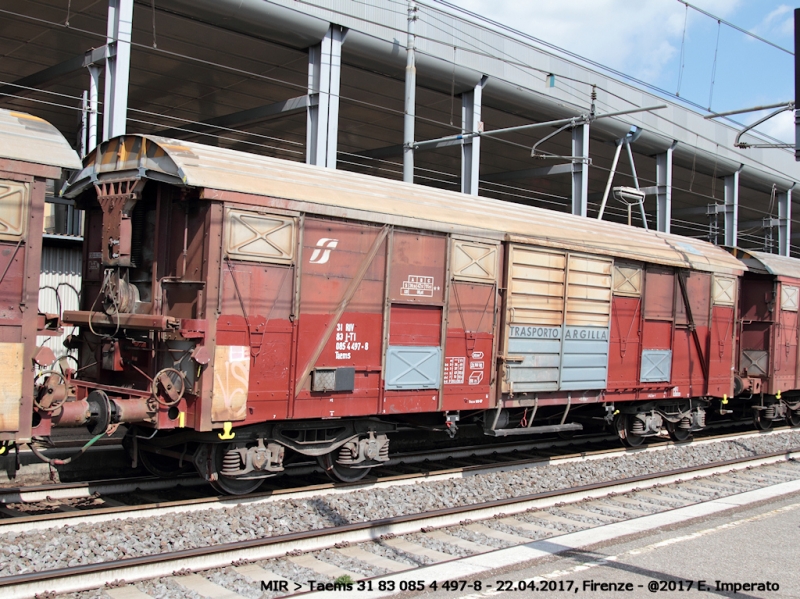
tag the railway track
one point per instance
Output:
(59, 502)
(341, 539)
(415, 540)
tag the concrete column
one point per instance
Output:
(118, 66)
(732, 208)
(664, 190)
(580, 170)
(785, 223)
(471, 147)
(324, 77)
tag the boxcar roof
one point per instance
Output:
(209, 167)
(772, 264)
(28, 138)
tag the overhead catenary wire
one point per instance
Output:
(714, 67)
(245, 133)
(736, 27)
(682, 61)
(299, 86)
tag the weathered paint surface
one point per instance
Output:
(265, 181)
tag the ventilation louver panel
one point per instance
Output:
(259, 237)
(473, 261)
(14, 198)
(724, 291)
(789, 298)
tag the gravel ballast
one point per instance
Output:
(118, 539)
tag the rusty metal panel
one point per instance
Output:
(536, 284)
(656, 366)
(231, 383)
(698, 289)
(11, 356)
(417, 268)
(755, 362)
(341, 314)
(659, 294)
(413, 367)
(469, 354)
(415, 325)
(14, 202)
(588, 291)
(625, 342)
(474, 261)
(387, 202)
(30, 139)
(326, 274)
(789, 298)
(627, 280)
(724, 291)
(263, 237)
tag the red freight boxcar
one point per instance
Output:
(768, 364)
(243, 306)
(32, 152)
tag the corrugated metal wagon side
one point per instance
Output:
(31, 152)
(248, 308)
(767, 372)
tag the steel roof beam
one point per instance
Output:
(70, 65)
(397, 150)
(18, 87)
(247, 117)
(529, 173)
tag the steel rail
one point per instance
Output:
(87, 489)
(103, 513)
(77, 578)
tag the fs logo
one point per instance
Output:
(322, 253)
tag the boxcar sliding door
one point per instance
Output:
(557, 325)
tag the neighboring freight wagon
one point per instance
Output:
(768, 364)
(246, 307)
(32, 152)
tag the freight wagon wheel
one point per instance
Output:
(227, 484)
(793, 418)
(761, 423)
(677, 433)
(622, 424)
(338, 472)
(163, 466)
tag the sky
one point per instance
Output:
(645, 39)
